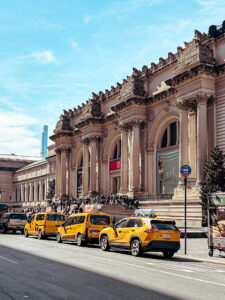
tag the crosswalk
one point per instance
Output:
(186, 267)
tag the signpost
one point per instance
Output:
(185, 171)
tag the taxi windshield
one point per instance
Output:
(99, 220)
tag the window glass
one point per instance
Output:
(164, 139)
(134, 223)
(32, 218)
(173, 129)
(40, 217)
(69, 222)
(18, 216)
(121, 224)
(163, 225)
(78, 220)
(52, 217)
(99, 220)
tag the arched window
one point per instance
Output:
(170, 136)
(117, 150)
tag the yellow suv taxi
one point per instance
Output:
(140, 234)
(83, 227)
(44, 224)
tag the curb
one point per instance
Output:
(201, 259)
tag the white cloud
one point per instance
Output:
(73, 44)
(86, 19)
(44, 57)
(16, 136)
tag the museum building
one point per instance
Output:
(133, 138)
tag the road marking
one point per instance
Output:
(184, 267)
(9, 260)
(156, 270)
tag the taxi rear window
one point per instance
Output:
(55, 218)
(99, 220)
(166, 225)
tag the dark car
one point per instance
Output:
(13, 221)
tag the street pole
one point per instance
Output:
(185, 215)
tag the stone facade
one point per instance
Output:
(134, 137)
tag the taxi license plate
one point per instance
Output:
(167, 236)
(94, 233)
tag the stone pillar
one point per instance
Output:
(69, 168)
(22, 193)
(40, 191)
(192, 143)
(31, 196)
(58, 173)
(124, 160)
(63, 172)
(183, 145)
(35, 192)
(202, 136)
(26, 192)
(93, 153)
(85, 167)
(135, 149)
(150, 168)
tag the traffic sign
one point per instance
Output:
(185, 170)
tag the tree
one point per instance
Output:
(51, 189)
(214, 178)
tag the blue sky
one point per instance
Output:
(55, 53)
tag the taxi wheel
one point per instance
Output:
(26, 233)
(58, 238)
(104, 243)
(168, 254)
(40, 235)
(80, 243)
(135, 248)
(22, 231)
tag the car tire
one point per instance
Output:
(4, 229)
(22, 231)
(14, 231)
(211, 252)
(40, 235)
(26, 234)
(58, 238)
(168, 254)
(135, 248)
(104, 243)
(80, 243)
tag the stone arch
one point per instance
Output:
(109, 144)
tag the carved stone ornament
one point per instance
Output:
(166, 105)
(150, 115)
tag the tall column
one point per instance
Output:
(22, 193)
(202, 136)
(31, 196)
(58, 173)
(135, 149)
(183, 145)
(192, 142)
(63, 171)
(93, 153)
(85, 167)
(40, 191)
(124, 159)
(35, 192)
(26, 192)
(69, 168)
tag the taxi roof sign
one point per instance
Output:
(148, 212)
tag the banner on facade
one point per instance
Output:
(79, 181)
(167, 171)
(115, 165)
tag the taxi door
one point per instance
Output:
(133, 229)
(119, 232)
(68, 230)
(31, 225)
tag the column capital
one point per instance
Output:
(95, 139)
(85, 141)
(125, 127)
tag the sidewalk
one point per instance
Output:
(197, 249)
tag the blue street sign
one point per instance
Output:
(185, 170)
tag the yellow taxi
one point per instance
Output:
(43, 224)
(83, 227)
(142, 234)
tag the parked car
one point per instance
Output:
(44, 224)
(83, 227)
(141, 234)
(13, 221)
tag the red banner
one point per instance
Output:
(115, 165)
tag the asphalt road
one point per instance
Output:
(42, 269)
